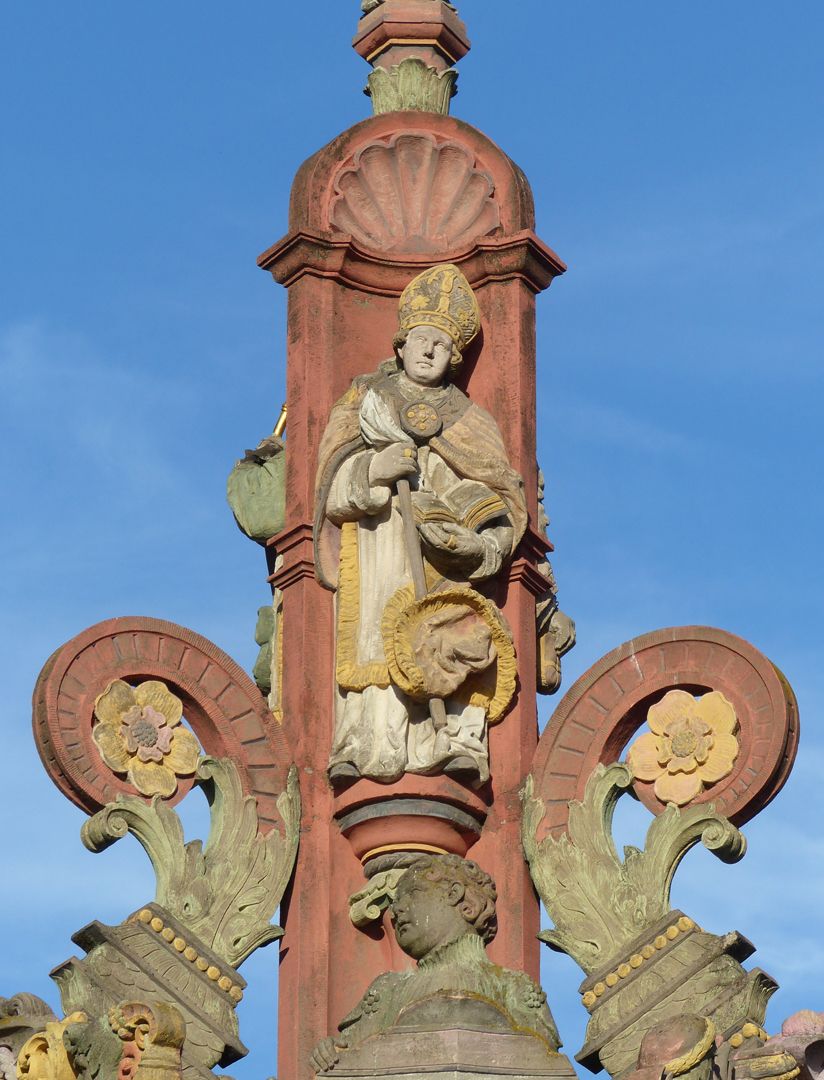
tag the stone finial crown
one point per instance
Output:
(412, 46)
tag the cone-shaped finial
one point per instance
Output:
(413, 46)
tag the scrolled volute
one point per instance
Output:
(226, 892)
(599, 903)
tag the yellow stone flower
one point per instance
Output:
(138, 733)
(691, 745)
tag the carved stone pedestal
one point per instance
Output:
(457, 1040)
(149, 956)
(672, 963)
(423, 813)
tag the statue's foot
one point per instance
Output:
(462, 766)
(344, 770)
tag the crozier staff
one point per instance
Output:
(408, 424)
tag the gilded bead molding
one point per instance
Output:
(683, 925)
(189, 952)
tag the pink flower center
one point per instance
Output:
(144, 732)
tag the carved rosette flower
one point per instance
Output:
(139, 734)
(691, 744)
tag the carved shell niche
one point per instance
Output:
(412, 193)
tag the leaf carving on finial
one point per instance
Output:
(598, 903)
(228, 891)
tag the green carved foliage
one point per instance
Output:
(93, 1049)
(227, 892)
(599, 903)
(412, 85)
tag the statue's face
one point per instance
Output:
(426, 355)
(425, 915)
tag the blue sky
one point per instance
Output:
(676, 154)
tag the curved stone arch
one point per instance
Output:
(602, 711)
(221, 704)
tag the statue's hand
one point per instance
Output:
(326, 1054)
(453, 540)
(392, 463)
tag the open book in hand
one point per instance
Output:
(469, 503)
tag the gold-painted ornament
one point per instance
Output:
(691, 745)
(138, 732)
(442, 297)
(410, 636)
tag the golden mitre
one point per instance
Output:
(442, 297)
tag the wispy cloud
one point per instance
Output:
(66, 397)
(104, 453)
(573, 417)
(701, 232)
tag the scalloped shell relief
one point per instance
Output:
(412, 193)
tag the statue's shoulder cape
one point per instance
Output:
(471, 444)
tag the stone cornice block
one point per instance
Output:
(524, 573)
(297, 548)
(453, 1053)
(522, 256)
(536, 544)
(412, 25)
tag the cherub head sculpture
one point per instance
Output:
(439, 900)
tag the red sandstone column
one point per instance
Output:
(345, 264)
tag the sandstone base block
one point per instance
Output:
(452, 1054)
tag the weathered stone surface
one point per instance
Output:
(702, 973)
(343, 295)
(368, 905)
(138, 734)
(226, 894)
(599, 903)
(646, 964)
(94, 1050)
(444, 914)
(395, 30)
(341, 291)
(683, 1046)
(266, 638)
(21, 1016)
(134, 960)
(44, 1055)
(221, 704)
(256, 490)
(416, 504)
(600, 714)
(412, 85)
(212, 910)
(431, 813)
(453, 1053)
(152, 1038)
(555, 630)
(763, 1063)
(414, 192)
(691, 746)
(798, 1046)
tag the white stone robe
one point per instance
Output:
(379, 730)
